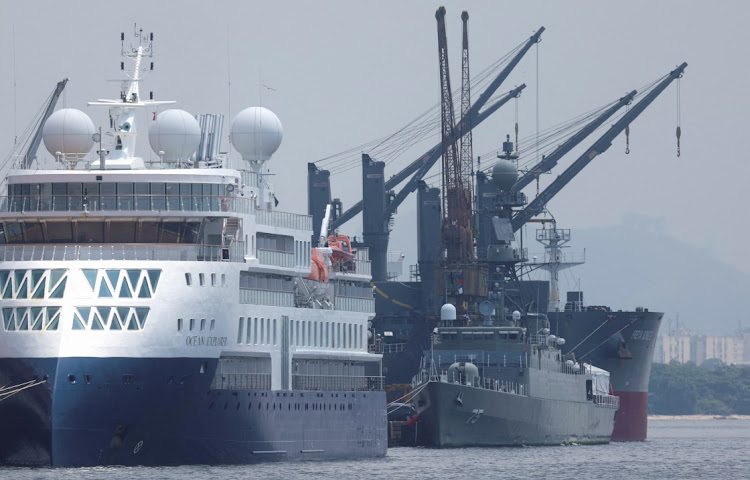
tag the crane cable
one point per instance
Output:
(517, 148)
(679, 130)
(627, 133)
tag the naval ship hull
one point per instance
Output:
(129, 411)
(622, 343)
(454, 415)
(619, 342)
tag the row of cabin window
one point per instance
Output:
(353, 289)
(303, 333)
(191, 325)
(264, 281)
(325, 334)
(259, 331)
(276, 243)
(115, 196)
(301, 248)
(202, 279)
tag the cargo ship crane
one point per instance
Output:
(466, 156)
(36, 140)
(456, 230)
(423, 164)
(548, 162)
(605, 141)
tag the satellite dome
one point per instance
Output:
(176, 133)
(447, 312)
(504, 174)
(256, 134)
(68, 131)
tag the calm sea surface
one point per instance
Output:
(694, 449)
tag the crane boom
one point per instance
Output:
(429, 158)
(30, 154)
(413, 182)
(466, 152)
(484, 97)
(550, 161)
(605, 141)
(425, 163)
(455, 213)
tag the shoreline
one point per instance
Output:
(699, 417)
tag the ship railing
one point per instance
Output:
(254, 296)
(131, 251)
(354, 304)
(484, 383)
(337, 382)
(275, 218)
(242, 381)
(275, 257)
(394, 347)
(607, 401)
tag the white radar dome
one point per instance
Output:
(176, 133)
(256, 134)
(68, 131)
(447, 312)
(504, 174)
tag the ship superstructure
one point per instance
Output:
(506, 382)
(167, 312)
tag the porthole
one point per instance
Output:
(72, 379)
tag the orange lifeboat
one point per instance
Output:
(342, 256)
(318, 267)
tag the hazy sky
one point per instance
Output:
(347, 72)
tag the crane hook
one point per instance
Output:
(679, 134)
(627, 139)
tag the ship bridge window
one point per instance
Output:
(101, 232)
(123, 196)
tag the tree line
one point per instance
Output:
(687, 389)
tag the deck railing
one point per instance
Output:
(607, 401)
(266, 297)
(336, 382)
(275, 258)
(355, 304)
(242, 381)
(133, 251)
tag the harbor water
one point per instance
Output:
(675, 449)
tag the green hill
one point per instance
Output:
(686, 389)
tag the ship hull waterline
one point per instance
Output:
(165, 413)
(490, 418)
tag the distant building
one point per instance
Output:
(683, 346)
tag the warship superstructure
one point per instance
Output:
(506, 382)
(165, 311)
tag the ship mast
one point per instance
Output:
(554, 241)
(122, 112)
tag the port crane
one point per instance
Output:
(424, 163)
(456, 234)
(537, 205)
(30, 154)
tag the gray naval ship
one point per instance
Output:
(507, 383)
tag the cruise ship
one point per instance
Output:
(164, 311)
